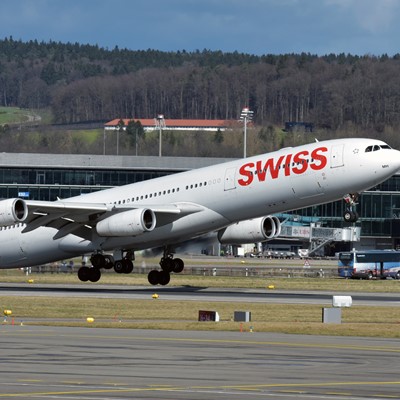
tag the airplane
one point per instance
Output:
(237, 200)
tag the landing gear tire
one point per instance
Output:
(94, 274)
(119, 267)
(83, 274)
(89, 274)
(153, 277)
(123, 266)
(109, 261)
(167, 264)
(159, 277)
(128, 266)
(350, 216)
(164, 278)
(178, 265)
(98, 260)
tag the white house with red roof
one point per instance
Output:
(149, 124)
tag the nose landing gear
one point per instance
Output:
(350, 214)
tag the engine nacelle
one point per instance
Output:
(127, 223)
(251, 231)
(12, 211)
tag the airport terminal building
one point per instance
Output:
(51, 176)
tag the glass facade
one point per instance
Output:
(33, 176)
(48, 184)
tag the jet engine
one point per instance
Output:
(251, 231)
(127, 223)
(12, 211)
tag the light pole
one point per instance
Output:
(245, 116)
(160, 122)
(120, 129)
(104, 141)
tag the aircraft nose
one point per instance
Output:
(392, 161)
(396, 159)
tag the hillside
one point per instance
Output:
(343, 95)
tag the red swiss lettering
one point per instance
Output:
(300, 161)
(269, 166)
(287, 164)
(320, 158)
(244, 171)
(297, 163)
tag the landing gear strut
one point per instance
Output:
(350, 213)
(106, 261)
(168, 264)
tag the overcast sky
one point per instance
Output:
(258, 27)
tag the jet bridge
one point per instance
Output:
(318, 236)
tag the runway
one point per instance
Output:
(108, 364)
(196, 294)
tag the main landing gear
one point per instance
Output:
(350, 213)
(99, 261)
(124, 265)
(168, 264)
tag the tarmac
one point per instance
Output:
(107, 364)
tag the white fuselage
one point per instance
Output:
(243, 189)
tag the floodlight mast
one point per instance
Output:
(160, 122)
(245, 116)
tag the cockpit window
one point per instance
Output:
(376, 148)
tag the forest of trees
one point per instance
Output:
(87, 83)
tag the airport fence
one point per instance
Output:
(236, 271)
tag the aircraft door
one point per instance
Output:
(230, 179)
(306, 186)
(337, 156)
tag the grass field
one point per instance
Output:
(15, 115)
(183, 315)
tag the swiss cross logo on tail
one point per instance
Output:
(290, 164)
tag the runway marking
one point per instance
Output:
(252, 387)
(245, 342)
(338, 393)
(82, 392)
(320, 384)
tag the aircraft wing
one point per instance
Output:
(79, 217)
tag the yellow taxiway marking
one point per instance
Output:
(319, 384)
(83, 391)
(285, 388)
